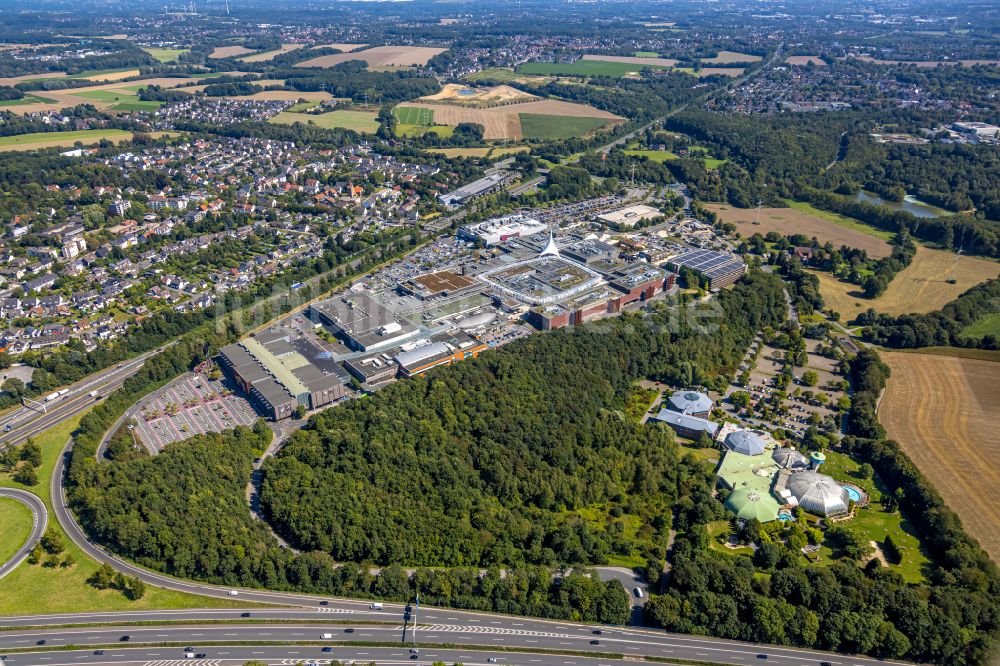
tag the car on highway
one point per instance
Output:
(328, 649)
(597, 632)
(349, 630)
(125, 639)
(98, 653)
(595, 642)
(41, 642)
(762, 656)
(492, 660)
(637, 592)
(244, 614)
(376, 606)
(324, 603)
(234, 593)
(414, 656)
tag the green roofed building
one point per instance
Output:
(748, 503)
(751, 479)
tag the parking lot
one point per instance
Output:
(192, 405)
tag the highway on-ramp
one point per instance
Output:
(39, 521)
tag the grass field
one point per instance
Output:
(579, 68)
(27, 99)
(933, 278)
(959, 352)
(987, 326)
(874, 523)
(34, 589)
(106, 95)
(15, 527)
(57, 139)
(654, 155)
(137, 105)
(537, 126)
(359, 121)
(443, 131)
(411, 115)
(165, 55)
(798, 219)
(646, 54)
(300, 107)
(942, 410)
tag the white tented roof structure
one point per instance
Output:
(550, 249)
(818, 493)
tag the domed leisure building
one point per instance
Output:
(747, 442)
(767, 481)
(817, 493)
(691, 403)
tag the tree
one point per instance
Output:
(52, 540)
(866, 471)
(103, 578)
(26, 475)
(68, 561)
(13, 386)
(810, 378)
(32, 453)
(36, 554)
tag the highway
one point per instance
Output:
(39, 521)
(20, 424)
(498, 633)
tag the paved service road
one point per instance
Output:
(39, 521)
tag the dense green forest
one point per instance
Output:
(570, 429)
(485, 488)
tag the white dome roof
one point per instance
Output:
(818, 493)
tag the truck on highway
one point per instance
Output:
(94, 394)
(55, 396)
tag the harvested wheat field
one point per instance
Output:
(113, 76)
(930, 63)
(317, 96)
(920, 287)
(942, 410)
(344, 48)
(379, 56)
(14, 80)
(271, 55)
(802, 61)
(230, 52)
(453, 93)
(726, 57)
(788, 221)
(503, 122)
(630, 60)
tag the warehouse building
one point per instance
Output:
(691, 427)
(626, 218)
(279, 373)
(363, 323)
(720, 268)
(476, 188)
(441, 349)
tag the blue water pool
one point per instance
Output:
(784, 517)
(853, 493)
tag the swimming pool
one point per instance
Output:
(853, 493)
